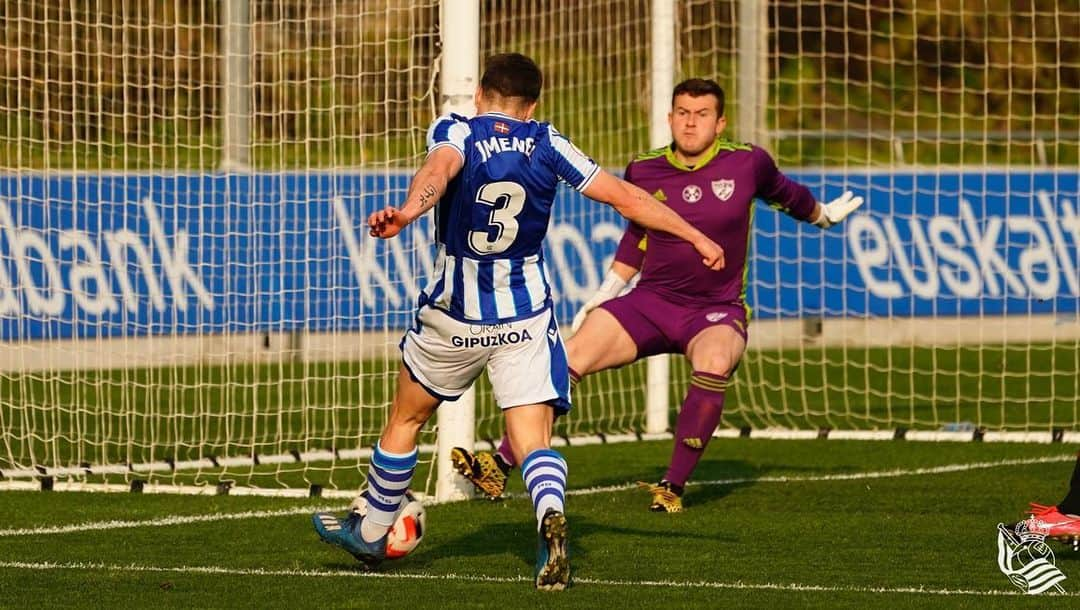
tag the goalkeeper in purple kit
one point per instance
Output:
(676, 306)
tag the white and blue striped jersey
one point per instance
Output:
(490, 224)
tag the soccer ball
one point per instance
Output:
(408, 528)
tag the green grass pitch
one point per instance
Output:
(793, 523)
(800, 523)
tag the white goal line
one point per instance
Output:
(301, 510)
(850, 476)
(474, 578)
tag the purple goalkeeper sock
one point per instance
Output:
(698, 417)
(505, 452)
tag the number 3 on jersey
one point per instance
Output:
(511, 196)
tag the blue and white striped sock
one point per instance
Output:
(544, 471)
(389, 477)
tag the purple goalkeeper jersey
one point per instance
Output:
(716, 196)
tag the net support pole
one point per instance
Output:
(236, 68)
(753, 74)
(459, 73)
(662, 79)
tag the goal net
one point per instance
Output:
(952, 301)
(186, 297)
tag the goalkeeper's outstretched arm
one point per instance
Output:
(795, 199)
(627, 263)
(618, 276)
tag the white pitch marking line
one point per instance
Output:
(672, 584)
(852, 476)
(162, 522)
(301, 510)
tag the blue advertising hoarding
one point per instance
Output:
(85, 255)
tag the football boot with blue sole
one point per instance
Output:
(552, 559)
(345, 533)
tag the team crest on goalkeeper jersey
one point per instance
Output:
(691, 194)
(723, 189)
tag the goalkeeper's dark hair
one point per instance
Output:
(512, 75)
(697, 87)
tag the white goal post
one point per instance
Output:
(460, 74)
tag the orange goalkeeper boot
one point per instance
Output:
(1054, 524)
(486, 471)
(666, 496)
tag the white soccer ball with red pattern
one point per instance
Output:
(408, 528)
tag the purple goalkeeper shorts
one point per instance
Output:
(660, 326)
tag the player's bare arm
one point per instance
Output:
(637, 205)
(427, 187)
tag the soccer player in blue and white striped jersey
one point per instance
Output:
(492, 180)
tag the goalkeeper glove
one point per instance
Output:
(838, 209)
(612, 286)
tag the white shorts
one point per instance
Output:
(525, 359)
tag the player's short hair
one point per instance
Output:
(697, 87)
(512, 75)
